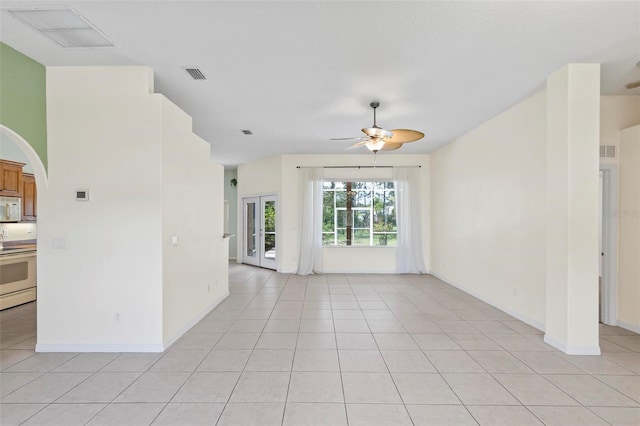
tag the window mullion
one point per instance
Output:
(349, 215)
(335, 218)
(371, 218)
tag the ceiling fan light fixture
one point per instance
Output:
(375, 144)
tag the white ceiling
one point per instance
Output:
(298, 73)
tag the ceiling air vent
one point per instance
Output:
(607, 151)
(62, 25)
(247, 132)
(195, 73)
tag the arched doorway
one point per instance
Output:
(17, 145)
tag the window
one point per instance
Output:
(359, 214)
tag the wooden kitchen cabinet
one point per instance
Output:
(29, 198)
(11, 184)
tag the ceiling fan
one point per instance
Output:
(378, 139)
(634, 84)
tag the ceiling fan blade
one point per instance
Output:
(390, 146)
(348, 139)
(358, 144)
(404, 136)
(633, 85)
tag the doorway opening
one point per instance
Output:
(260, 236)
(20, 236)
(608, 244)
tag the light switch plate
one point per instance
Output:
(59, 243)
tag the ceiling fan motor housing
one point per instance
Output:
(379, 139)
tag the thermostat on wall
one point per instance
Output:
(82, 195)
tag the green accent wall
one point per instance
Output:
(23, 98)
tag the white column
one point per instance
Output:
(629, 230)
(573, 128)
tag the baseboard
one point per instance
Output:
(358, 271)
(629, 327)
(340, 271)
(45, 347)
(572, 350)
(533, 323)
(195, 320)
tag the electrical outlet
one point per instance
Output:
(5, 233)
(116, 316)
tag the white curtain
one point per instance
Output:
(310, 260)
(409, 253)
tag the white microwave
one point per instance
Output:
(10, 209)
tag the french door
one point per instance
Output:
(259, 242)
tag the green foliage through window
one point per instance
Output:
(359, 214)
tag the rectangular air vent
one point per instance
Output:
(195, 73)
(62, 25)
(607, 151)
(247, 132)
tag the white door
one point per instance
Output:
(260, 231)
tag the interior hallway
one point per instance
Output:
(330, 349)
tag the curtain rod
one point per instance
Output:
(352, 167)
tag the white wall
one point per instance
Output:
(104, 290)
(629, 230)
(103, 135)
(488, 211)
(231, 195)
(280, 175)
(195, 271)
(617, 113)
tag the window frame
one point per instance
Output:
(351, 208)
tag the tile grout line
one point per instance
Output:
(226, 404)
(295, 348)
(335, 338)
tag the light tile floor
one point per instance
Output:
(330, 349)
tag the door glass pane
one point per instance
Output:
(269, 230)
(251, 229)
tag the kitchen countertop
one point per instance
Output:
(17, 248)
